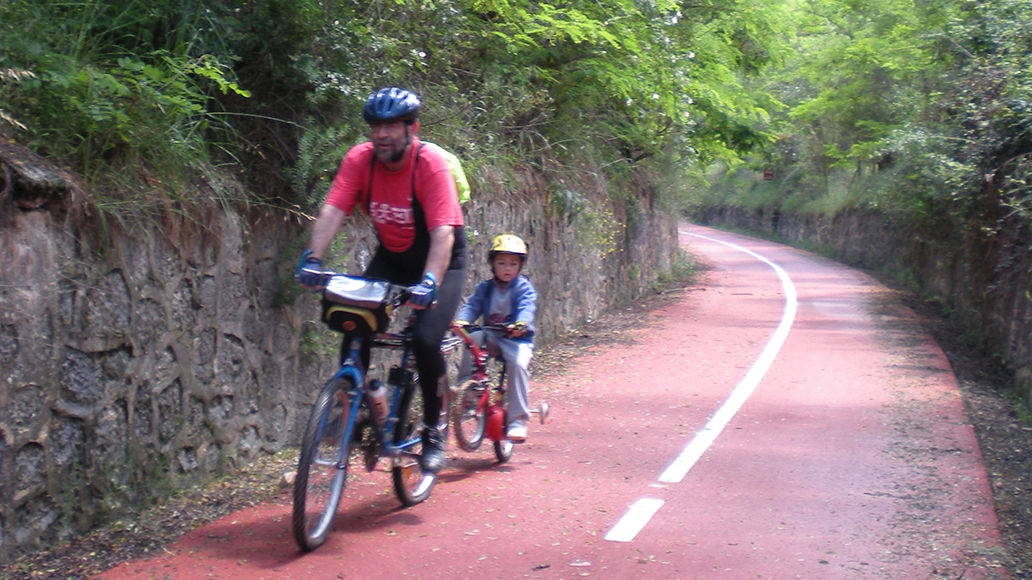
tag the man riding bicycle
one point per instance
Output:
(407, 189)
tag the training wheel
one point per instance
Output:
(543, 411)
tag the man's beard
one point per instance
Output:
(395, 155)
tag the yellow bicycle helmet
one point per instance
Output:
(508, 244)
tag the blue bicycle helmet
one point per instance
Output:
(391, 104)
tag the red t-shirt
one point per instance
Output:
(390, 203)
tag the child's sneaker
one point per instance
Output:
(517, 432)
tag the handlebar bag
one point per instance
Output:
(351, 304)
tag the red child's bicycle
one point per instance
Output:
(479, 409)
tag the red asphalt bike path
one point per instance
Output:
(851, 458)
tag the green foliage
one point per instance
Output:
(683, 269)
(133, 94)
(16, 76)
(109, 87)
(858, 76)
(986, 121)
(732, 44)
(316, 342)
(593, 221)
(920, 109)
(319, 153)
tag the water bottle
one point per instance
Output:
(377, 393)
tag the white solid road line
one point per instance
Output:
(703, 439)
(641, 511)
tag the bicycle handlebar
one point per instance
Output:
(462, 331)
(398, 293)
(498, 327)
(469, 328)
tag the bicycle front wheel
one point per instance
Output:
(323, 465)
(469, 422)
(410, 483)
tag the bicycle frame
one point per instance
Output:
(479, 354)
(489, 416)
(361, 310)
(493, 394)
(352, 369)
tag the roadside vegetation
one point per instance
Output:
(157, 104)
(922, 109)
(918, 111)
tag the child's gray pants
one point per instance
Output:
(517, 357)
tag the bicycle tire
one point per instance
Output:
(503, 450)
(469, 423)
(411, 485)
(322, 467)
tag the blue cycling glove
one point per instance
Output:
(424, 294)
(309, 272)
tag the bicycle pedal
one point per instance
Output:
(370, 452)
(367, 444)
(372, 457)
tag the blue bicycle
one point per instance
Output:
(356, 419)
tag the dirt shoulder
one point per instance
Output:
(1004, 437)
(1005, 440)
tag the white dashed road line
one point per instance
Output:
(640, 512)
(634, 520)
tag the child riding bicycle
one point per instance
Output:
(507, 298)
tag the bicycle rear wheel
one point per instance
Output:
(322, 467)
(410, 483)
(503, 450)
(469, 422)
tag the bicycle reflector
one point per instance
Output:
(496, 423)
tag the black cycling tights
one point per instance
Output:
(431, 324)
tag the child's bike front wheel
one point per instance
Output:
(322, 466)
(469, 418)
